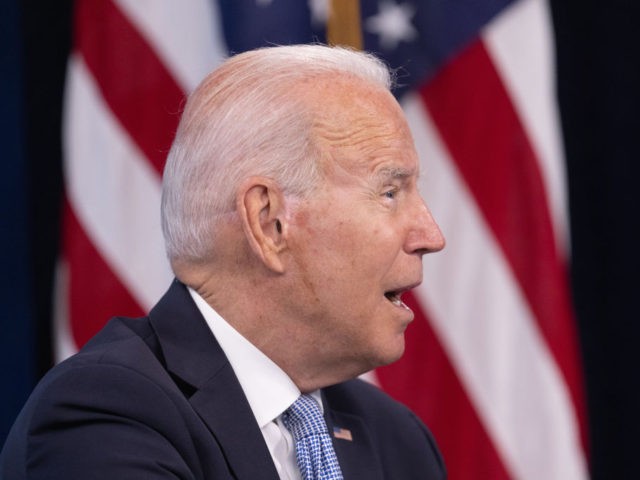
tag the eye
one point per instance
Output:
(390, 194)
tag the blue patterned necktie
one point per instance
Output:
(314, 451)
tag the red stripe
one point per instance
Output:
(95, 293)
(424, 380)
(134, 82)
(146, 101)
(483, 133)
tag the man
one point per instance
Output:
(293, 224)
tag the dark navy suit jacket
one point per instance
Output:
(157, 398)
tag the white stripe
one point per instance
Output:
(64, 344)
(113, 190)
(520, 42)
(186, 35)
(483, 322)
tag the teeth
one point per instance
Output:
(394, 298)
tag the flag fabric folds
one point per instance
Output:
(492, 363)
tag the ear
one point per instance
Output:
(261, 206)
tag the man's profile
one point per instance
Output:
(293, 224)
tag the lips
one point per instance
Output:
(395, 297)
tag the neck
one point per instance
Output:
(263, 319)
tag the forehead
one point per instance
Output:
(360, 128)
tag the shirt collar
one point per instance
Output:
(267, 387)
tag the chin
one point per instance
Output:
(390, 355)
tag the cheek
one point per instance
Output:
(334, 240)
(359, 254)
(343, 251)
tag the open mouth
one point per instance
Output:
(394, 297)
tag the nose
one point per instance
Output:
(424, 233)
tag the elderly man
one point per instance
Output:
(293, 224)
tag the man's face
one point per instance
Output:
(361, 235)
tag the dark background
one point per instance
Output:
(598, 63)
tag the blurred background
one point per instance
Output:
(524, 354)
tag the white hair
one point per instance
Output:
(244, 120)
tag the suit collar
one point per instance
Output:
(192, 354)
(268, 389)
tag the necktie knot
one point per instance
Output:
(314, 451)
(303, 418)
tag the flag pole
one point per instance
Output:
(343, 27)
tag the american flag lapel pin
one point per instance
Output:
(342, 433)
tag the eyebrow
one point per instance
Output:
(396, 173)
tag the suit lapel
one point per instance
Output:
(356, 456)
(223, 407)
(192, 353)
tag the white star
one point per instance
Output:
(319, 11)
(392, 24)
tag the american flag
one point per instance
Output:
(492, 361)
(342, 433)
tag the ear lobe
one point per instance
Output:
(261, 206)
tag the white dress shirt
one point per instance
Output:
(267, 387)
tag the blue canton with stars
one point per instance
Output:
(414, 37)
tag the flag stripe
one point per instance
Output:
(187, 40)
(113, 189)
(486, 327)
(526, 27)
(502, 172)
(530, 81)
(148, 104)
(426, 382)
(91, 279)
